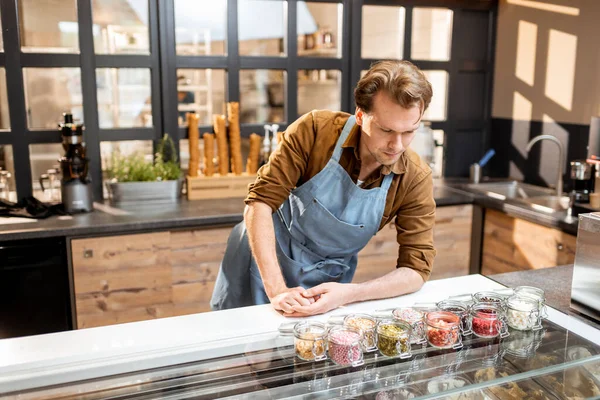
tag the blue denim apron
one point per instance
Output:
(320, 229)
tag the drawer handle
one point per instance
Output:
(560, 246)
(88, 253)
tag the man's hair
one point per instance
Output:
(406, 84)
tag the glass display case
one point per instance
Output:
(550, 363)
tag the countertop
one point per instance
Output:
(556, 283)
(122, 219)
(90, 353)
(110, 219)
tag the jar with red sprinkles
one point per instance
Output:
(443, 330)
(488, 320)
(344, 346)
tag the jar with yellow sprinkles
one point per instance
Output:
(393, 338)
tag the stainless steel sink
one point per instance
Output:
(538, 198)
(510, 190)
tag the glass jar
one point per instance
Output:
(461, 310)
(367, 325)
(523, 313)
(344, 345)
(489, 297)
(530, 291)
(488, 320)
(416, 319)
(443, 330)
(393, 338)
(309, 341)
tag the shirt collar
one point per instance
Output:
(353, 140)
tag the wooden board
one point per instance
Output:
(218, 186)
(130, 278)
(512, 244)
(452, 240)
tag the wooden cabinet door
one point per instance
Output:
(137, 277)
(451, 237)
(512, 244)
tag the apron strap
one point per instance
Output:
(337, 151)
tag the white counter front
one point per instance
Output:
(43, 360)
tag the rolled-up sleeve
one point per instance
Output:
(287, 164)
(414, 225)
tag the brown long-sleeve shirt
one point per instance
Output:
(306, 148)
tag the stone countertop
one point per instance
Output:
(556, 283)
(144, 217)
(149, 216)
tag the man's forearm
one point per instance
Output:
(396, 283)
(261, 235)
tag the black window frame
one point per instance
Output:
(163, 63)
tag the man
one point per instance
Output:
(335, 181)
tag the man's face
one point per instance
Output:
(388, 129)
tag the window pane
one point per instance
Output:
(124, 97)
(382, 32)
(201, 27)
(4, 114)
(319, 89)
(7, 163)
(44, 159)
(122, 148)
(437, 107)
(201, 91)
(262, 95)
(49, 92)
(319, 29)
(49, 26)
(264, 35)
(431, 34)
(121, 26)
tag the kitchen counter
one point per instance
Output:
(140, 217)
(197, 356)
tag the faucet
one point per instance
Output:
(561, 160)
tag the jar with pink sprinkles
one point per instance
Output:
(344, 346)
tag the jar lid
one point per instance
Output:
(393, 328)
(310, 330)
(408, 314)
(452, 306)
(488, 297)
(522, 303)
(360, 321)
(442, 319)
(344, 335)
(531, 291)
(490, 311)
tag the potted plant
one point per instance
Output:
(133, 178)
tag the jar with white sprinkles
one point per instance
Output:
(523, 313)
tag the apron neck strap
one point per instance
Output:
(337, 151)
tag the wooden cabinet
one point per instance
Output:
(144, 276)
(451, 237)
(512, 244)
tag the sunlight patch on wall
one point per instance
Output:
(538, 5)
(526, 46)
(560, 68)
